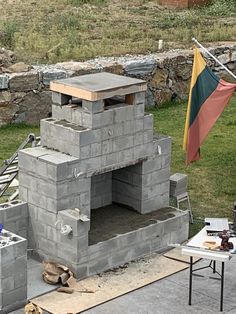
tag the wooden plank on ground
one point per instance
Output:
(111, 284)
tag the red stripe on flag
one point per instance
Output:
(210, 111)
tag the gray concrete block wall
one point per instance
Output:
(13, 269)
(101, 190)
(14, 217)
(132, 245)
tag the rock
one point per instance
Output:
(141, 67)
(4, 81)
(36, 106)
(150, 98)
(24, 81)
(51, 74)
(159, 78)
(7, 112)
(18, 67)
(163, 95)
(76, 68)
(183, 71)
(181, 89)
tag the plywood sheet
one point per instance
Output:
(111, 285)
(98, 86)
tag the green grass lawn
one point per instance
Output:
(58, 30)
(211, 180)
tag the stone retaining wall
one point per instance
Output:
(25, 96)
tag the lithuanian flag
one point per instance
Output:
(208, 97)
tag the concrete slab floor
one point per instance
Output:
(170, 295)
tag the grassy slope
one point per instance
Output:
(11, 136)
(56, 30)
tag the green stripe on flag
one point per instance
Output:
(205, 85)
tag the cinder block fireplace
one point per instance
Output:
(98, 187)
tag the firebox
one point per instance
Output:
(98, 187)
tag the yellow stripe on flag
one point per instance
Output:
(198, 66)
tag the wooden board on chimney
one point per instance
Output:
(98, 86)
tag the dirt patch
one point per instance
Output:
(109, 221)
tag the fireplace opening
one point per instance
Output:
(116, 202)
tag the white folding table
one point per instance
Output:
(195, 248)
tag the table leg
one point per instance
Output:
(222, 286)
(190, 280)
(214, 267)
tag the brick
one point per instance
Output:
(60, 99)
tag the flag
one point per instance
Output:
(208, 97)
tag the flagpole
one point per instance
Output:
(213, 57)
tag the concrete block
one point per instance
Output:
(47, 246)
(85, 151)
(136, 98)
(129, 239)
(21, 265)
(23, 193)
(141, 249)
(123, 142)
(123, 113)
(4, 81)
(107, 147)
(76, 115)
(152, 231)
(112, 131)
(46, 217)
(155, 203)
(97, 120)
(120, 257)
(61, 113)
(162, 143)
(128, 127)
(109, 159)
(10, 299)
(20, 280)
(138, 125)
(147, 136)
(7, 284)
(93, 106)
(138, 138)
(98, 265)
(60, 99)
(148, 122)
(139, 111)
(126, 155)
(90, 136)
(72, 218)
(96, 149)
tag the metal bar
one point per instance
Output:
(222, 286)
(190, 280)
(214, 267)
(213, 57)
